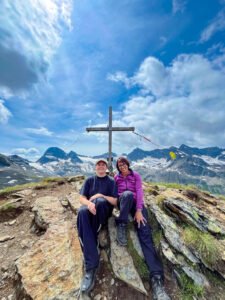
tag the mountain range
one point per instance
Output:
(203, 167)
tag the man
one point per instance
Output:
(98, 196)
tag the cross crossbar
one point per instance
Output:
(109, 128)
(112, 129)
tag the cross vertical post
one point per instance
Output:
(110, 129)
(110, 141)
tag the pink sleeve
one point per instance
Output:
(139, 191)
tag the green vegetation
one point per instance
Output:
(139, 262)
(203, 187)
(52, 179)
(203, 243)
(222, 197)
(217, 283)
(191, 187)
(156, 230)
(174, 185)
(16, 188)
(159, 200)
(149, 190)
(189, 290)
(157, 238)
(206, 192)
(6, 207)
(109, 266)
(40, 184)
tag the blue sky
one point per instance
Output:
(160, 64)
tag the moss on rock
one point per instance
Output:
(138, 261)
(204, 243)
(189, 290)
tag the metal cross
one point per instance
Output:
(110, 129)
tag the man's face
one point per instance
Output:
(101, 167)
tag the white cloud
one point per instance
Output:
(217, 24)
(183, 102)
(152, 76)
(120, 77)
(4, 113)
(23, 151)
(179, 5)
(30, 34)
(40, 131)
(31, 154)
(100, 115)
(163, 41)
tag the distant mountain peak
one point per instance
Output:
(18, 159)
(55, 153)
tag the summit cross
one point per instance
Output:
(110, 129)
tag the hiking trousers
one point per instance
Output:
(88, 226)
(127, 205)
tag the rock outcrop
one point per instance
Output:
(47, 210)
(122, 262)
(188, 213)
(52, 268)
(187, 226)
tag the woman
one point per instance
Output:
(131, 201)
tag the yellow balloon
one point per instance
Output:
(173, 155)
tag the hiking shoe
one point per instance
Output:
(88, 281)
(121, 234)
(158, 289)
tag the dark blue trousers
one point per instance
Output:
(127, 205)
(88, 226)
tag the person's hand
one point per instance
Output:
(95, 196)
(139, 218)
(91, 208)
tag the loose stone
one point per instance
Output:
(6, 238)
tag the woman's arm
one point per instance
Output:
(139, 191)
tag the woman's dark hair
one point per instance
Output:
(122, 160)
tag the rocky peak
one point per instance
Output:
(4, 161)
(209, 151)
(52, 154)
(104, 155)
(41, 256)
(19, 160)
(74, 157)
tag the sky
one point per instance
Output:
(160, 64)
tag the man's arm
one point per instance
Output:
(84, 200)
(90, 205)
(111, 200)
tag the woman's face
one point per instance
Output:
(123, 167)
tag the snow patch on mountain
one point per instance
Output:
(210, 160)
(12, 181)
(154, 163)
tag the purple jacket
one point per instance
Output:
(131, 183)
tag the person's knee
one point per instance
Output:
(128, 195)
(83, 211)
(100, 202)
